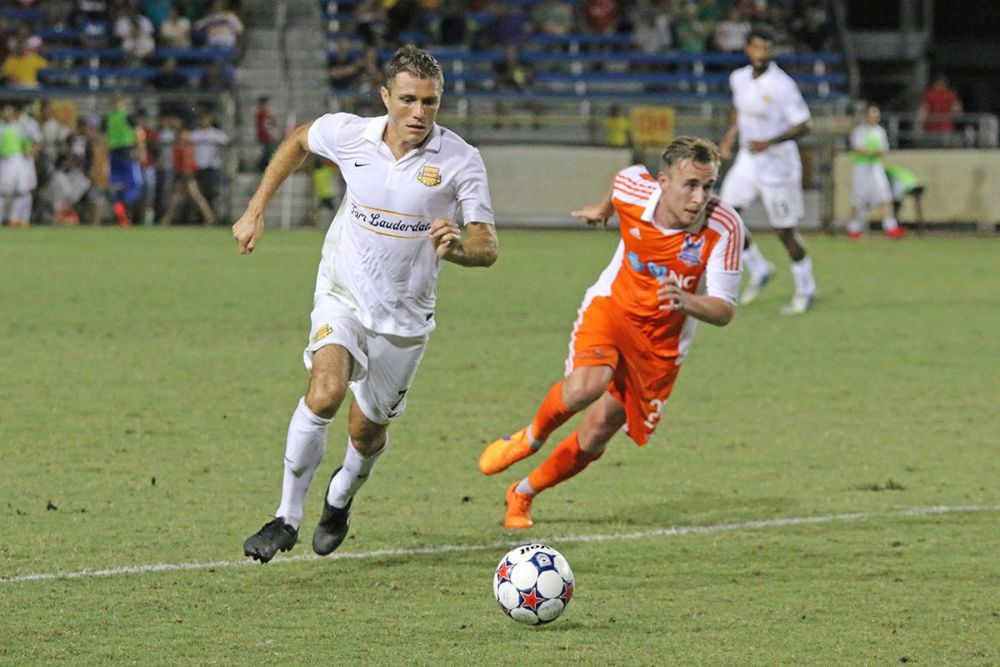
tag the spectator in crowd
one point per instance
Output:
(55, 136)
(168, 127)
(513, 75)
(98, 163)
(692, 31)
(811, 30)
(508, 26)
(135, 34)
(344, 68)
(371, 22)
(731, 32)
(267, 132)
(453, 27)
(222, 27)
(938, 107)
(213, 78)
(403, 16)
(20, 68)
(185, 184)
(554, 17)
(157, 11)
(148, 139)
(652, 27)
(93, 21)
(170, 80)
(175, 31)
(66, 190)
(24, 33)
(208, 141)
(600, 16)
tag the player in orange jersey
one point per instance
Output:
(679, 261)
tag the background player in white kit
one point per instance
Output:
(869, 143)
(407, 178)
(769, 114)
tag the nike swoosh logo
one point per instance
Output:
(361, 164)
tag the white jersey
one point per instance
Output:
(377, 257)
(767, 107)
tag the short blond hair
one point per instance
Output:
(696, 149)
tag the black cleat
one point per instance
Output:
(333, 524)
(275, 536)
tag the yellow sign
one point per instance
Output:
(652, 125)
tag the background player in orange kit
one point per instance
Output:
(680, 257)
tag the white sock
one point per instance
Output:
(20, 208)
(855, 226)
(352, 475)
(802, 274)
(304, 449)
(535, 444)
(890, 223)
(524, 487)
(753, 259)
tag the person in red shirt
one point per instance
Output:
(937, 108)
(185, 184)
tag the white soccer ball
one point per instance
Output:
(533, 584)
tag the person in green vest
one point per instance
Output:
(617, 127)
(869, 142)
(15, 196)
(903, 182)
(126, 169)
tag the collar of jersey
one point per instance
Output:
(647, 216)
(376, 128)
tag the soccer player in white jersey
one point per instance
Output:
(407, 180)
(869, 143)
(769, 115)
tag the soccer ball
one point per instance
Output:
(533, 584)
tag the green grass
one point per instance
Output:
(147, 376)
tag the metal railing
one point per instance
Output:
(968, 130)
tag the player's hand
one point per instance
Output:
(758, 146)
(592, 215)
(247, 231)
(672, 297)
(445, 236)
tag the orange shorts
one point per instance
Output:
(643, 379)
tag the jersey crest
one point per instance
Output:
(690, 252)
(430, 176)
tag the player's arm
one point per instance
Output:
(598, 212)
(793, 133)
(729, 138)
(711, 309)
(293, 150)
(479, 247)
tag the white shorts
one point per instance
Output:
(871, 186)
(783, 203)
(17, 175)
(384, 365)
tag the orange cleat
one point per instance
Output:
(895, 233)
(501, 454)
(518, 509)
(853, 236)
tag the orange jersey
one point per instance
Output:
(650, 254)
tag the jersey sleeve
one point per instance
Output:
(323, 132)
(473, 192)
(796, 109)
(857, 139)
(724, 268)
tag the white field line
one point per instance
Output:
(676, 531)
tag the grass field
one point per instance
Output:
(834, 479)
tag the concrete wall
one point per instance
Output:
(961, 185)
(539, 185)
